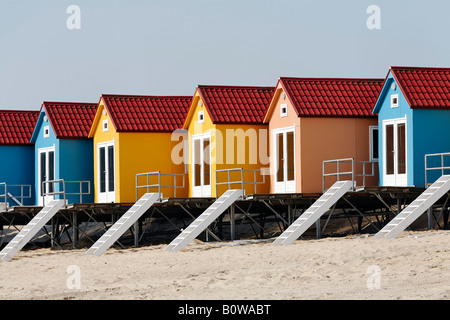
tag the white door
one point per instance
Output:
(201, 165)
(106, 172)
(284, 156)
(394, 152)
(46, 165)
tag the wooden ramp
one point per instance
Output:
(31, 229)
(330, 197)
(123, 224)
(408, 215)
(204, 220)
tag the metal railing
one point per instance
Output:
(441, 158)
(17, 198)
(352, 172)
(159, 185)
(240, 182)
(49, 189)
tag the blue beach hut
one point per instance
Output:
(413, 121)
(17, 157)
(63, 151)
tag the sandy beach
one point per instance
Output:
(416, 265)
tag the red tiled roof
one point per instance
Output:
(16, 127)
(131, 113)
(328, 97)
(70, 120)
(424, 87)
(236, 104)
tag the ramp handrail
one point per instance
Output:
(158, 185)
(8, 195)
(442, 167)
(351, 173)
(63, 183)
(241, 182)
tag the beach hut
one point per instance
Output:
(227, 138)
(63, 151)
(413, 115)
(138, 135)
(17, 156)
(312, 120)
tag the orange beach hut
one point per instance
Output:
(312, 120)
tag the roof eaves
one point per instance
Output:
(37, 125)
(400, 85)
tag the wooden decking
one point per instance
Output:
(371, 206)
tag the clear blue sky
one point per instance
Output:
(167, 47)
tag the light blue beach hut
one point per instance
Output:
(64, 153)
(413, 121)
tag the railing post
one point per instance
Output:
(242, 182)
(254, 180)
(174, 185)
(159, 185)
(323, 176)
(216, 182)
(6, 196)
(364, 173)
(353, 174)
(338, 171)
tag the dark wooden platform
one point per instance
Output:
(371, 205)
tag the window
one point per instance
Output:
(394, 100)
(46, 132)
(201, 117)
(373, 143)
(105, 125)
(283, 110)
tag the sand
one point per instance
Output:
(416, 265)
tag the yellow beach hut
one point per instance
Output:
(133, 135)
(227, 139)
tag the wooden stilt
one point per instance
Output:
(75, 233)
(232, 222)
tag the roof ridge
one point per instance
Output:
(68, 103)
(18, 111)
(144, 96)
(240, 87)
(330, 79)
(421, 68)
